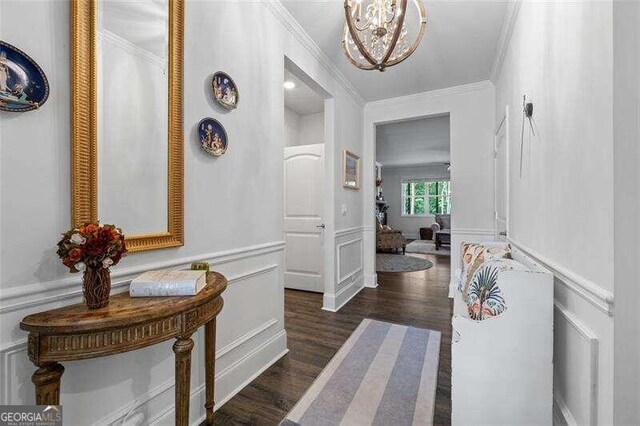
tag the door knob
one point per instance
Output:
(320, 226)
(503, 233)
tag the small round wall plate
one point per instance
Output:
(212, 136)
(23, 85)
(225, 91)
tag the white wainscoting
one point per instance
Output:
(369, 241)
(349, 277)
(570, 333)
(250, 337)
(589, 291)
(37, 294)
(583, 345)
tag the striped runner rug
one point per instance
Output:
(384, 374)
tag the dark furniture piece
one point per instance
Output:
(443, 237)
(426, 233)
(76, 332)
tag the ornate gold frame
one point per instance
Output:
(84, 125)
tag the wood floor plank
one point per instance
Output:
(314, 336)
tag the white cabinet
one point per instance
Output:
(502, 367)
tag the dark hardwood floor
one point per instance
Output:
(314, 336)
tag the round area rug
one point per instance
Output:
(399, 263)
(427, 247)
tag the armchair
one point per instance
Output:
(387, 239)
(443, 221)
(442, 230)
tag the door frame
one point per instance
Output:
(330, 155)
(503, 126)
(370, 128)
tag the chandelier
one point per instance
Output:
(376, 35)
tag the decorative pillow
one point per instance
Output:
(474, 255)
(485, 300)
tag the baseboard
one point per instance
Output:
(279, 353)
(334, 302)
(371, 281)
(266, 355)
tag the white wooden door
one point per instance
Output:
(303, 209)
(501, 184)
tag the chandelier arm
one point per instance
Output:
(393, 8)
(354, 62)
(366, 25)
(354, 35)
(396, 33)
(348, 54)
(414, 46)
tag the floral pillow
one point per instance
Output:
(485, 300)
(474, 255)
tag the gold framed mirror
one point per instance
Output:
(127, 142)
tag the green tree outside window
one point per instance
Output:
(421, 197)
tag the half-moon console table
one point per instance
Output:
(76, 332)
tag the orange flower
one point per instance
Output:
(75, 254)
(92, 243)
(90, 228)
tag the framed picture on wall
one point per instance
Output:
(350, 170)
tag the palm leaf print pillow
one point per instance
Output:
(474, 255)
(484, 297)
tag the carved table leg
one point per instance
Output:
(182, 348)
(210, 367)
(47, 381)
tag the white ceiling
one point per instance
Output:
(414, 143)
(301, 99)
(458, 48)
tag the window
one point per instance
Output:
(426, 198)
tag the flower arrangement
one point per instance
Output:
(93, 248)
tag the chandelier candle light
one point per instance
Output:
(376, 35)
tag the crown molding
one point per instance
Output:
(295, 29)
(419, 97)
(509, 23)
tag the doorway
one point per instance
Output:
(304, 180)
(413, 189)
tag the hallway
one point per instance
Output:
(314, 336)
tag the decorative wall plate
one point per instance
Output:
(225, 91)
(23, 85)
(212, 136)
